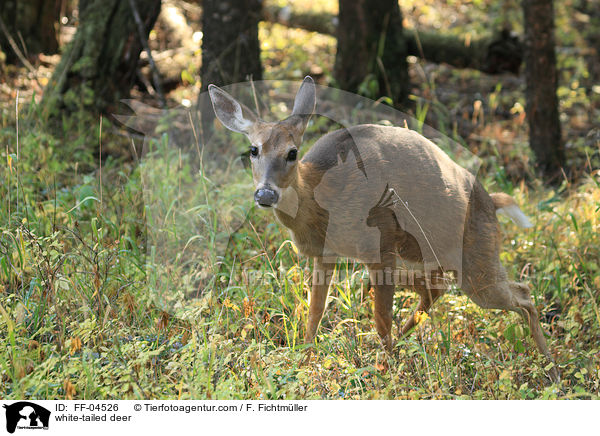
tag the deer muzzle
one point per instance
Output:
(266, 197)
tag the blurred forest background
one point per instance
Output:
(515, 82)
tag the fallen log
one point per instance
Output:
(500, 53)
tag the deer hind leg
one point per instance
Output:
(516, 297)
(522, 296)
(428, 296)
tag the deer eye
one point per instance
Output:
(292, 155)
(254, 151)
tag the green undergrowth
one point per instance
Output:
(108, 293)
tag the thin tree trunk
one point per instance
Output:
(372, 48)
(230, 49)
(99, 66)
(541, 78)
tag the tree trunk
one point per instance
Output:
(591, 33)
(31, 25)
(99, 66)
(541, 78)
(372, 49)
(230, 47)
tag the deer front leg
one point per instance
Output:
(322, 273)
(381, 277)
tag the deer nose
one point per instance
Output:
(266, 197)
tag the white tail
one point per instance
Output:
(506, 205)
(516, 215)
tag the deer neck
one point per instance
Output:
(300, 213)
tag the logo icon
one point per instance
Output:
(26, 415)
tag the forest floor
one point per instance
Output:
(92, 306)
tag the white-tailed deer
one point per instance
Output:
(385, 196)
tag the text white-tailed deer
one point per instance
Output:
(387, 197)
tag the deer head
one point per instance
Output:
(273, 146)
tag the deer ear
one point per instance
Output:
(232, 114)
(304, 104)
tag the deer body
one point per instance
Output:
(383, 196)
(423, 174)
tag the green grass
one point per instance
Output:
(89, 309)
